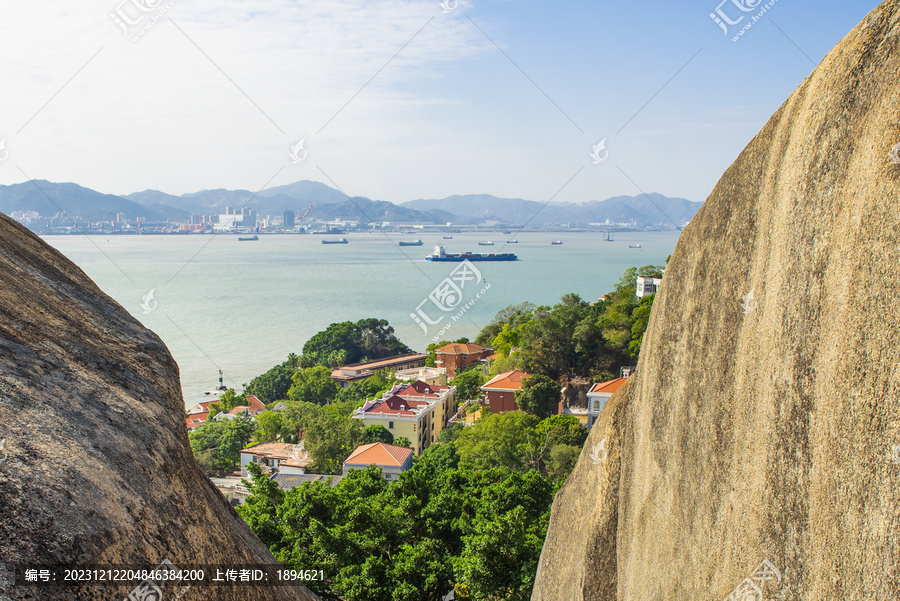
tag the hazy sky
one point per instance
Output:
(399, 99)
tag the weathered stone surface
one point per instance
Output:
(764, 428)
(98, 469)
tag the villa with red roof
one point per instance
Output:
(418, 411)
(500, 391)
(254, 408)
(598, 395)
(455, 357)
(392, 460)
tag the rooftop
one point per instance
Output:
(458, 348)
(288, 481)
(608, 387)
(286, 453)
(379, 453)
(510, 380)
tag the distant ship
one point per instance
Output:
(247, 238)
(413, 243)
(448, 237)
(557, 243)
(634, 246)
(512, 241)
(488, 243)
(441, 255)
(338, 241)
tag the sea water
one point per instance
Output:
(242, 307)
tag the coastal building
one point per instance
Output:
(500, 391)
(280, 457)
(647, 286)
(417, 411)
(598, 395)
(195, 420)
(436, 376)
(252, 409)
(456, 357)
(392, 460)
(357, 372)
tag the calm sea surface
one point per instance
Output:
(243, 306)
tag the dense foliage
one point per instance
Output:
(458, 520)
(468, 384)
(538, 395)
(217, 444)
(573, 337)
(347, 342)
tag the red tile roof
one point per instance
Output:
(201, 407)
(378, 453)
(255, 403)
(286, 453)
(393, 405)
(608, 387)
(458, 348)
(195, 420)
(420, 389)
(510, 380)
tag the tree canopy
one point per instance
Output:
(538, 395)
(347, 342)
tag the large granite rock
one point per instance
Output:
(96, 467)
(754, 454)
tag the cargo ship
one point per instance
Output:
(338, 241)
(441, 254)
(413, 243)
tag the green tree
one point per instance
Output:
(330, 438)
(221, 441)
(506, 340)
(500, 439)
(378, 433)
(538, 395)
(348, 342)
(268, 426)
(640, 318)
(402, 441)
(514, 315)
(468, 384)
(313, 385)
(274, 384)
(563, 429)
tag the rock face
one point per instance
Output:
(96, 467)
(756, 451)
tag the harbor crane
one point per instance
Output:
(301, 215)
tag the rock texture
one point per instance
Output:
(96, 467)
(754, 454)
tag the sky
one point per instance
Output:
(400, 99)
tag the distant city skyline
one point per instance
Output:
(401, 100)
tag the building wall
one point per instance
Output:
(409, 427)
(501, 401)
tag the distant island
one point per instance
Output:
(312, 207)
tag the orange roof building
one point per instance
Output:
(500, 391)
(599, 394)
(281, 457)
(456, 356)
(392, 460)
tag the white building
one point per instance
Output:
(598, 395)
(647, 286)
(280, 457)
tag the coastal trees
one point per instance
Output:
(312, 385)
(274, 384)
(217, 444)
(538, 395)
(268, 426)
(378, 433)
(347, 342)
(468, 384)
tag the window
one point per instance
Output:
(391, 425)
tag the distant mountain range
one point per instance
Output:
(53, 199)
